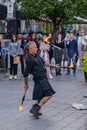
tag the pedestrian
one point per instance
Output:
(42, 89)
(84, 57)
(13, 50)
(31, 37)
(58, 53)
(80, 51)
(72, 54)
(39, 42)
(44, 54)
(21, 51)
(65, 50)
(2, 62)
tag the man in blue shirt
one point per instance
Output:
(72, 54)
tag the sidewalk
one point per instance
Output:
(58, 113)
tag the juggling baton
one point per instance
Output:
(23, 98)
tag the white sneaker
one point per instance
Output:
(15, 77)
(50, 76)
(11, 77)
(6, 75)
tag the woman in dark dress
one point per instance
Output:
(58, 53)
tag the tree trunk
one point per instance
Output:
(55, 29)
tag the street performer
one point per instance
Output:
(42, 89)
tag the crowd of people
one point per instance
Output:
(36, 52)
(65, 50)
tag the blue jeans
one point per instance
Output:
(73, 59)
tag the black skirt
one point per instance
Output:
(42, 89)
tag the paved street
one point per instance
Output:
(58, 113)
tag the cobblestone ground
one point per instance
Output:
(58, 113)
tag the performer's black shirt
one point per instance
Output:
(35, 66)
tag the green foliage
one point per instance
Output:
(60, 11)
(84, 63)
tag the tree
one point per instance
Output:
(59, 11)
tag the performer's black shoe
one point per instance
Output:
(39, 113)
(34, 110)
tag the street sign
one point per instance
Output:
(9, 15)
(10, 7)
(10, 10)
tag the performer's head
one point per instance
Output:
(31, 48)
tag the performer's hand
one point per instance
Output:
(26, 87)
(57, 66)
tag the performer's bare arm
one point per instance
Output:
(26, 83)
(52, 65)
(26, 80)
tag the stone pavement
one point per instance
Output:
(58, 113)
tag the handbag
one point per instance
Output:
(16, 60)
